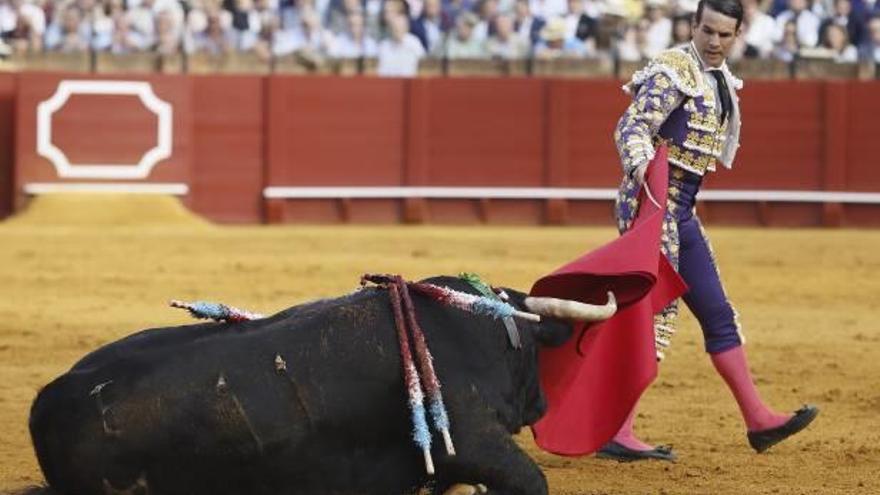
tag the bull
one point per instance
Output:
(307, 401)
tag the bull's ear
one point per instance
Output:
(554, 333)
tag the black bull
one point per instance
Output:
(307, 401)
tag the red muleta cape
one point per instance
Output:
(594, 380)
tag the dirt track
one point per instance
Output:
(808, 300)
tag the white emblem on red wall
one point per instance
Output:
(139, 170)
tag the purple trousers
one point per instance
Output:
(685, 244)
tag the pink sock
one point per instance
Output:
(627, 438)
(732, 366)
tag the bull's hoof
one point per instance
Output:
(463, 489)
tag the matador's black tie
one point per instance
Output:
(724, 93)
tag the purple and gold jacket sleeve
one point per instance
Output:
(653, 100)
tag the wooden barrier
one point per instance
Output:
(811, 69)
(227, 63)
(439, 149)
(48, 62)
(574, 68)
(762, 68)
(128, 63)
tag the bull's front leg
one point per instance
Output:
(487, 455)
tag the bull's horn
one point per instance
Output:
(566, 309)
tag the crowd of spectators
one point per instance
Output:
(399, 33)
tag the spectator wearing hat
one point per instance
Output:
(554, 43)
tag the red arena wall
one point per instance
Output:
(441, 150)
(8, 88)
(229, 152)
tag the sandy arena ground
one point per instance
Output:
(77, 273)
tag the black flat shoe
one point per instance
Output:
(615, 451)
(764, 439)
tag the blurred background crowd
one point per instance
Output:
(399, 33)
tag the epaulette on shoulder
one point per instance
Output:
(675, 64)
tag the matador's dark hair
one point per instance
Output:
(730, 8)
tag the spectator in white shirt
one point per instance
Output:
(400, 52)
(658, 28)
(759, 30)
(806, 23)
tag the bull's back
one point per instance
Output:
(232, 407)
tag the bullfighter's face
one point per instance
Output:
(714, 34)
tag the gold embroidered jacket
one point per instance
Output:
(674, 102)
